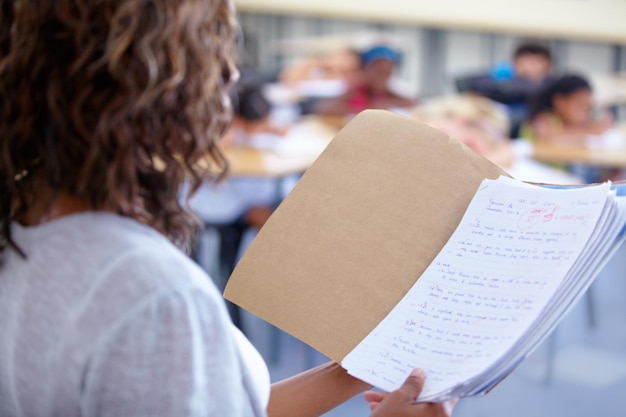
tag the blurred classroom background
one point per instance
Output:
(452, 66)
(435, 54)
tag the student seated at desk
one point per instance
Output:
(514, 83)
(252, 117)
(370, 89)
(249, 201)
(482, 125)
(531, 62)
(478, 122)
(563, 114)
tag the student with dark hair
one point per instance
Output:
(106, 108)
(563, 113)
(252, 116)
(514, 83)
(370, 90)
(250, 104)
(533, 62)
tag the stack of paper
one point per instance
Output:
(517, 261)
(401, 248)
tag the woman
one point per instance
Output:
(106, 106)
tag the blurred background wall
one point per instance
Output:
(433, 54)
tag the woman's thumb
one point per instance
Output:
(413, 384)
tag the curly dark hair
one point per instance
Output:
(116, 102)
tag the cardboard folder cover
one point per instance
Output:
(358, 230)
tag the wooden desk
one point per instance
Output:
(608, 158)
(291, 155)
(253, 162)
(611, 156)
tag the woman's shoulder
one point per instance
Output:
(104, 252)
(97, 270)
(142, 254)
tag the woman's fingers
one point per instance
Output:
(373, 396)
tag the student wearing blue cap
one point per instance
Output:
(370, 90)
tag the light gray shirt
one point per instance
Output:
(106, 318)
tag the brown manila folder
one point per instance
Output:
(357, 262)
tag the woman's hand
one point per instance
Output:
(401, 402)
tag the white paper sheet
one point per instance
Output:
(489, 283)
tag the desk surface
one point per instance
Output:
(609, 152)
(603, 157)
(253, 162)
(280, 157)
(295, 153)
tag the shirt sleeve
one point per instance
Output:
(174, 355)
